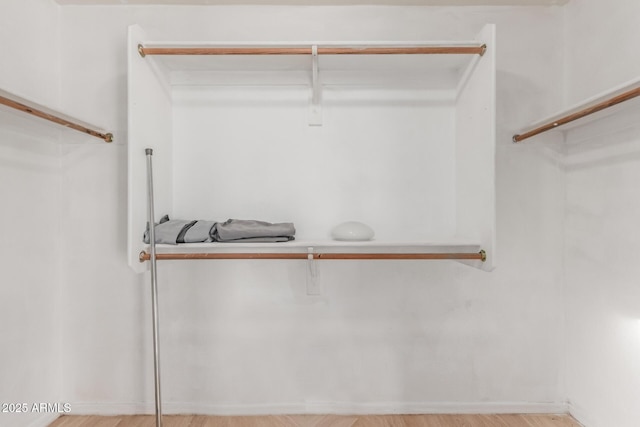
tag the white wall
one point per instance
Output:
(378, 158)
(30, 49)
(29, 216)
(601, 225)
(243, 337)
(600, 46)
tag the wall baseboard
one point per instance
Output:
(44, 420)
(579, 414)
(340, 408)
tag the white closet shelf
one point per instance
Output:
(623, 97)
(322, 249)
(18, 113)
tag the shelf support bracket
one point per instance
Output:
(313, 274)
(315, 112)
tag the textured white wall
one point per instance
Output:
(29, 213)
(243, 336)
(601, 225)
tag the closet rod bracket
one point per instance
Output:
(315, 112)
(483, 255)
(483, 49)
(313, 274)
(141, 51)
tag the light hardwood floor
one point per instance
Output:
(321, 421)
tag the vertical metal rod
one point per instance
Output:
(154, 287)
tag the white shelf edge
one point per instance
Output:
(47, 110)
(326, 246)
(614, 91)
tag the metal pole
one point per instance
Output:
(154, 287)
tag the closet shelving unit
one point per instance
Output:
(19, 114)
(399, 134)
(433, 169)
(619, 99)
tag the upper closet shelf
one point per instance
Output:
(428, 64)
(620, 98)
(17, 113)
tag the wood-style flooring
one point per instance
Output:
(321, 421)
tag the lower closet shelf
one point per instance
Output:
(320, 249)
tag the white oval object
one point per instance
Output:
(352, 231)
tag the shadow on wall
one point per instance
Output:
(519, 102)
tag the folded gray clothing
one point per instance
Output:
(201, 231)
(242, 230)
(174, 231)
(277, 239)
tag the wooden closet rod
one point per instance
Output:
(379, 50)
(580, 114)
(482, 256)
(107, 137)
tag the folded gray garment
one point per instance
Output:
(201, 231)
(174, 231)
(259, 240)
(237, 230)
